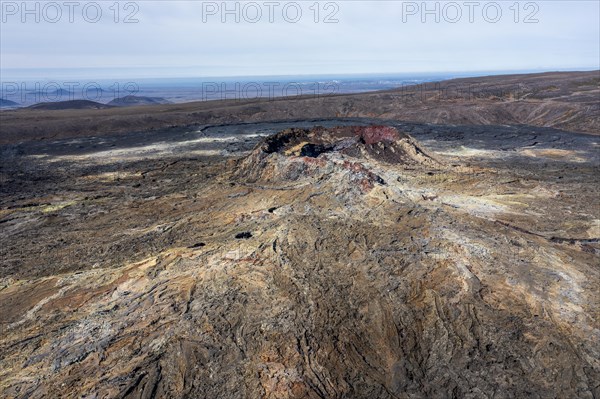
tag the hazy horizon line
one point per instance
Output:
(28, 73)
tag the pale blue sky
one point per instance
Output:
(172, 40)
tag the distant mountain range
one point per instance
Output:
(129, 101)
(8, 104)
(54, 93)
(72, 104)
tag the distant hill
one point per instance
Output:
(72, 104)
(129, 101)
(7, 103)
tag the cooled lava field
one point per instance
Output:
(344, 257)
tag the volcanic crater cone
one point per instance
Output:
(295, 154)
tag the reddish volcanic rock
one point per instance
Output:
(376, 134)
